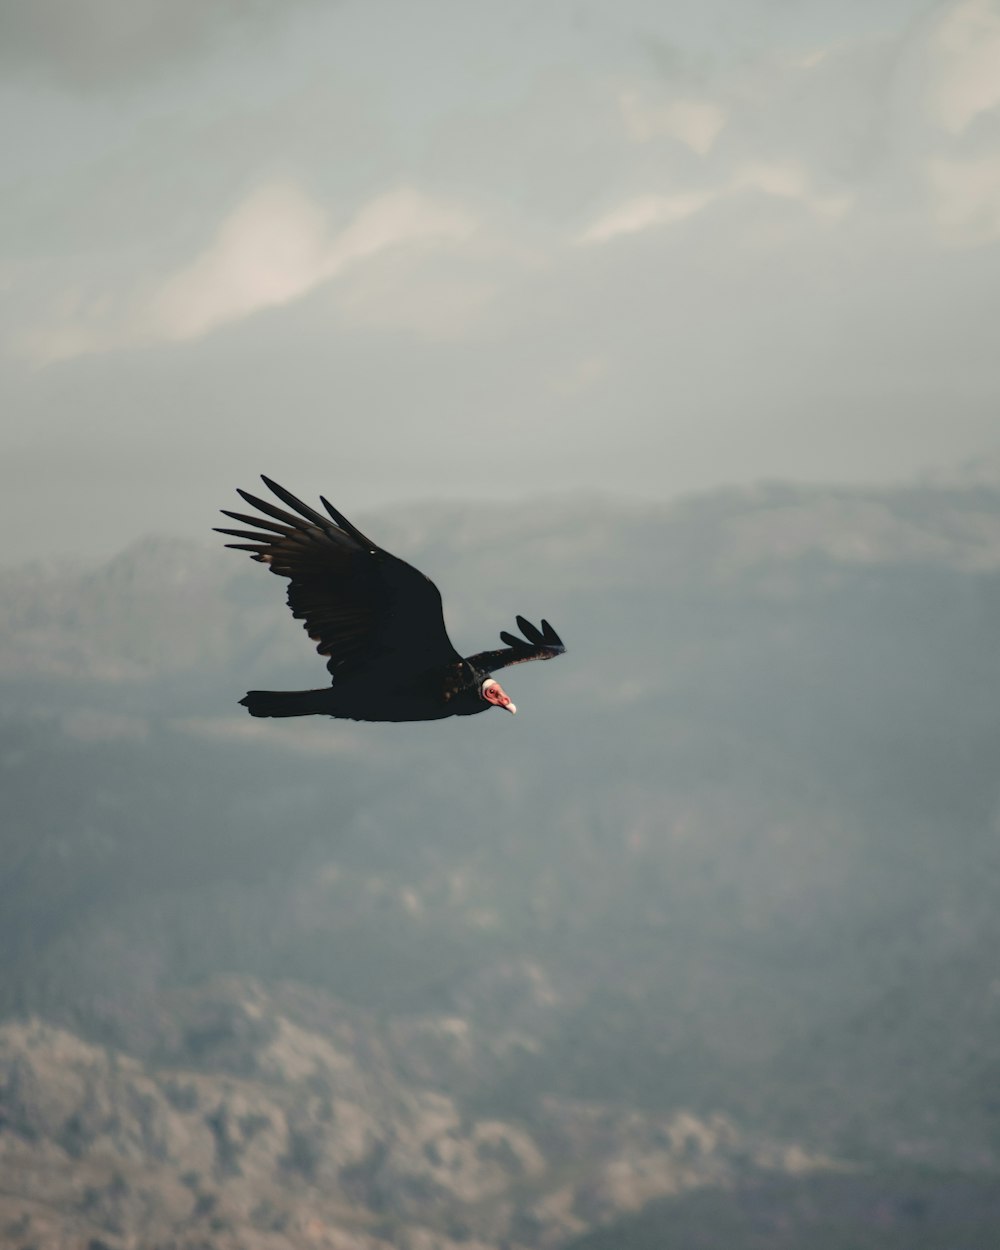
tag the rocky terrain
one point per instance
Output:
(299, 1127)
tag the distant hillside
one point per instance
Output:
(165, 606)
(287, 1120)
(736, 860)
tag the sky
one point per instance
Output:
(397, 251)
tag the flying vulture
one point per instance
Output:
(377, 619)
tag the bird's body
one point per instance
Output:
(378, 620)
(430, 695)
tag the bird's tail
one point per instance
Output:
(287, 702)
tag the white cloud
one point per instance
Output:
(274, 248)
(781, 179)
(964, 69)
(644, 212)
(789, 180)
(694, 122)
(271, 250)
(636, 222)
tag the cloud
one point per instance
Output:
(274, 248)
(578, 160)
(964, 71)
(644, 212)
(271, 250)
(790, 180)
(891, 127)
(89, 44)
(694, 122)
(781, 179)
(658, 281)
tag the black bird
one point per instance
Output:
(377, 619)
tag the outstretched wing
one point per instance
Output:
(537, 644)
(364, 608)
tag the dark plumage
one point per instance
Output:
(377, 619)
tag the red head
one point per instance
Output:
(493, 693)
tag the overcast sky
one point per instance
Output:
(410, 250)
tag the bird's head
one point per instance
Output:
(493, 693)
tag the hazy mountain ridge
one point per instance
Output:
(736, 856)
(164, 605)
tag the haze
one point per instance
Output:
(700, 948)
(403, 252)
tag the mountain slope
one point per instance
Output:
(736, 856)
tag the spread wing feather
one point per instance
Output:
(364, 608)
(537, 644)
